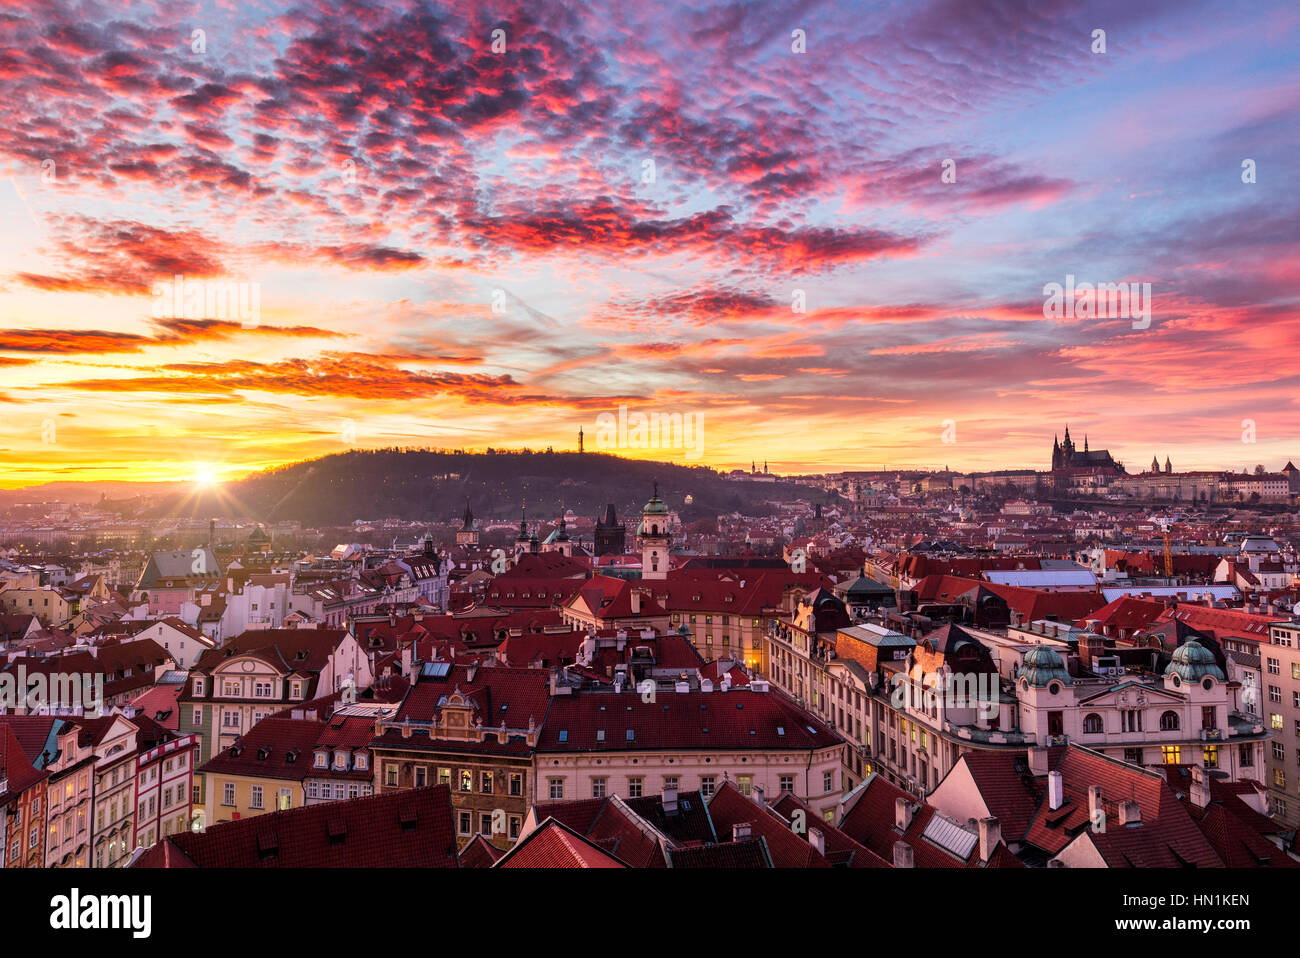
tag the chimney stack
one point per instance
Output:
(1130, 813)
(990, 835)
(903, 810)
(760, 797)
(1094, 803)
(817, 840)
(670, 800)
(1200, 790)
(636, 602)
(903, 856)
(1055, 790)
(740, 832)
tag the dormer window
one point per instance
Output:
(361, 761)
(198, 686)
(322, 759)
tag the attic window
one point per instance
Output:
(780, 730)
(631, 735)
(564, 735)
(600, 735)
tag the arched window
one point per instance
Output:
(1169, 722)
(1092, 723)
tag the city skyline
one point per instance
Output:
(835, 224)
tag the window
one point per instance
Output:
(1055, 723)
(322, 760)
(390, 774)
(670, 781)
(421, 776)
(1207, 717)
(514, 826)
(485, 783)
(828, 781)
(1211, 756)
(787, 783)
(444, 776)
(1169, 722)
(1274, 667)
(255, 797)
(708, 785)
(557, 789)
(1092, 724)
(228, 794)
(1246, 756)
(1279, 751)
(1172, 754)
(634, 788)
(362, 761)
(466, 780)
(1279, 778)
(1274, 694)
(485, 824)
(598, 788)
(465, 823)
(197, 717)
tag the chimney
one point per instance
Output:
(636, 602)
(1200, 790)
(670, 800)
(760, 798)
(740, 832)
(406, 661)
(1130, 813)
(1094, 803)
(903, 810)
(1037, 762)
(990, 835)
(1055, 790)
(818, 841)
(903, 857)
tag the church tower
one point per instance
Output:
(521, 540)
(579, 439)
(467, 535)
(653, 537)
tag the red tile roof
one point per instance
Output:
(407, 829)
(273, 748)
(1166, 838)
(16, 768)
(739, 719)
(554, 845)
(729, 807)
(871, 821)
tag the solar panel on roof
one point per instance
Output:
(950, 836)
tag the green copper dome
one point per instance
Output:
(1192, 662)
(655, 507)
(1041, 665)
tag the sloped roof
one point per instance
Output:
(407, 829)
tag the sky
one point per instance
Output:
(823, 232)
